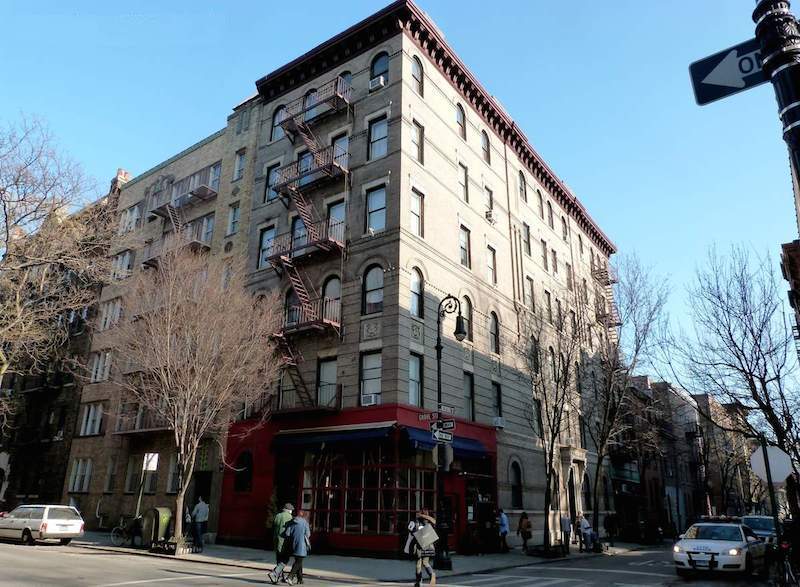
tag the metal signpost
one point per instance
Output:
(771, 459)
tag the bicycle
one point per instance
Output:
(128, 529)
(786, 574)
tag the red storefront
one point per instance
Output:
(360, 473)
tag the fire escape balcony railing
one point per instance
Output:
(607, 314)
(141, 421)
(313, 314)
(326, 163)
(197, 192)
(604, 274)
(151, 253)
(328, 397)
(332, 96)
(324, 235)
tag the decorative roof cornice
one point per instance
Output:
(404, 16)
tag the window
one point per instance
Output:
(418, 140)
(523, 188)
(569, 276)
(582, 425)
(550, 215)
(537, 419)
(573, 321)
(91, 419)
(269, 189)
(530, 298)
(418, 76)
(109, 314)
(465, 246)
(494, 333)
(347, 78)
(238, 167)
(376, 209)
(526, 239)
(370, 376)
(486, 148)
(173, 475)
(417, 213)
(100, 363)
(291, 308)
(516, 486)
(341, 150)
(535, 355)
(131, 474)
(466, 313)
(541, 204)
(544, 255)
(326, 380)
(417, 294)
(463, 181)
(559, 315)
(548, 302)
(587, 493)
(332, 299)
(469, 396)
(489, 198)
(266, 240)
(204, 228)
(243, 472)
(461, 121)
(243, 121)
(564, 229)
(580, 245)
(378, 138)
(415, 380)
(497, 399)
(299, 233)
(214, 175)
(380, 67)
(553, 369)
(150, 466)
(491, 265)
(111, 474)
(585, 291)
(305, 165)
(555, 262)
(80, 476)
(122, 265)
(233, 218)
(277, 129)
(372, 297)
(130, 219)
(310, 105)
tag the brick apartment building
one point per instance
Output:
(365, 181)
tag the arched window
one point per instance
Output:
(417, 74)
(332, 299)
(564, 229)
(347, 77)
(310, 104)
(243, 477)
(523, 188)
(380, 67)
(516, 486)
(292, 307)
(550, 215)
(487, 151)
(494, 333)
(277, 129)
(535, 355)
(372, 291)
(587, 494)
(417, 294)
(466, 313)
(461, 121)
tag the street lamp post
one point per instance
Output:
(449, 305)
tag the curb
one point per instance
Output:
(349, 579)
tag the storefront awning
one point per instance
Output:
(462, 447)
(317, 437)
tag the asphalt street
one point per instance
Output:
(71, 566)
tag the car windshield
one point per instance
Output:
(760, 524)
(717, 532)
(63, 514)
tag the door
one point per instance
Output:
(201, 486)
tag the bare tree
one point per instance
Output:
(622, 337)
(197, 346)
(738, 349)
(52, 246)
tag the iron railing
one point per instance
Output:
(319, 233)
(327, 162)
(330, 96)
(315, 312)
(143, 420)
(329, 396)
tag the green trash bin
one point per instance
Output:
(155, 524)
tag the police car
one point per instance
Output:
(719, 546)
(762, 526)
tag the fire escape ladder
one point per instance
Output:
(307, 212)
(290, 357)
(175, 219)
(309, 310)
(310, 141)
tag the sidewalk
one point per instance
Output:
(348, 568)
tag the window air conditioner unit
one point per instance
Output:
(370, 399)
(490, 216)
(376, 83)
(499, 422)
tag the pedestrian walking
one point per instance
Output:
(200, 517)
(585, 529)
(524, 530)
(502, 522)
(566, 532)
(424, 537)
(297, 535)
(278, 525)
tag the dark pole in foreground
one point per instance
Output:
(448, 305)
(773, 501)
(778, 33)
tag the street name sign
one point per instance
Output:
(443, 425)
(429, 416)
(442, 436)
(780, 464)
(728, 72)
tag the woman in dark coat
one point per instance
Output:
(297, 535)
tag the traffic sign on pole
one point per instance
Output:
(442, 436)
(443, 425)
(445, 409)
(728, 72)
(780, 464)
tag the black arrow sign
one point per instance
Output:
(728, 72)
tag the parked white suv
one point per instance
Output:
(30, 523)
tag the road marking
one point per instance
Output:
(612, 571)
(181, 578)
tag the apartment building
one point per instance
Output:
(365, 181)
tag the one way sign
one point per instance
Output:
(728, 72)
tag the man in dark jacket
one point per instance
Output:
(297, 535)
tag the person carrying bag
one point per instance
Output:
(422, 547)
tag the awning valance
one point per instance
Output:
(318, 437)
(462, 447)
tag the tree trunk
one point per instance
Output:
(179, 514)
(595, 497)
(547, 504)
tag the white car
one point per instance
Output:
(719, 546)
(30, 523)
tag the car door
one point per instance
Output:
(7, 523)
(14, 523)
(755, 545)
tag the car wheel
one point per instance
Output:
(27, 538)
(683, 574)
(65, 541)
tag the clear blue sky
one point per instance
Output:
(600, 88)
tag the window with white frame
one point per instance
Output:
(370, 373)
(378, 144)
(545, 263)
(91, 419)
(555, 262)
(233, 218)
(526, 238)
(417, 74)
(417, 293)
(491, 265)
(132, 474)
(376, 209)
(81, 476)
(100, 366)
(150, 466)
(109, 313)
(238, 168)
(523, 188)
(489, 198)
(463, 181)
(418, 141)
(415, 380)
(266, 240)
(111, 474)
(465, 247)
(417, 209)
(131, 218)
(122, 265)
(214, 175)
(272, 176)
(530, 298)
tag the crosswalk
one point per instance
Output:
(510, 580)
